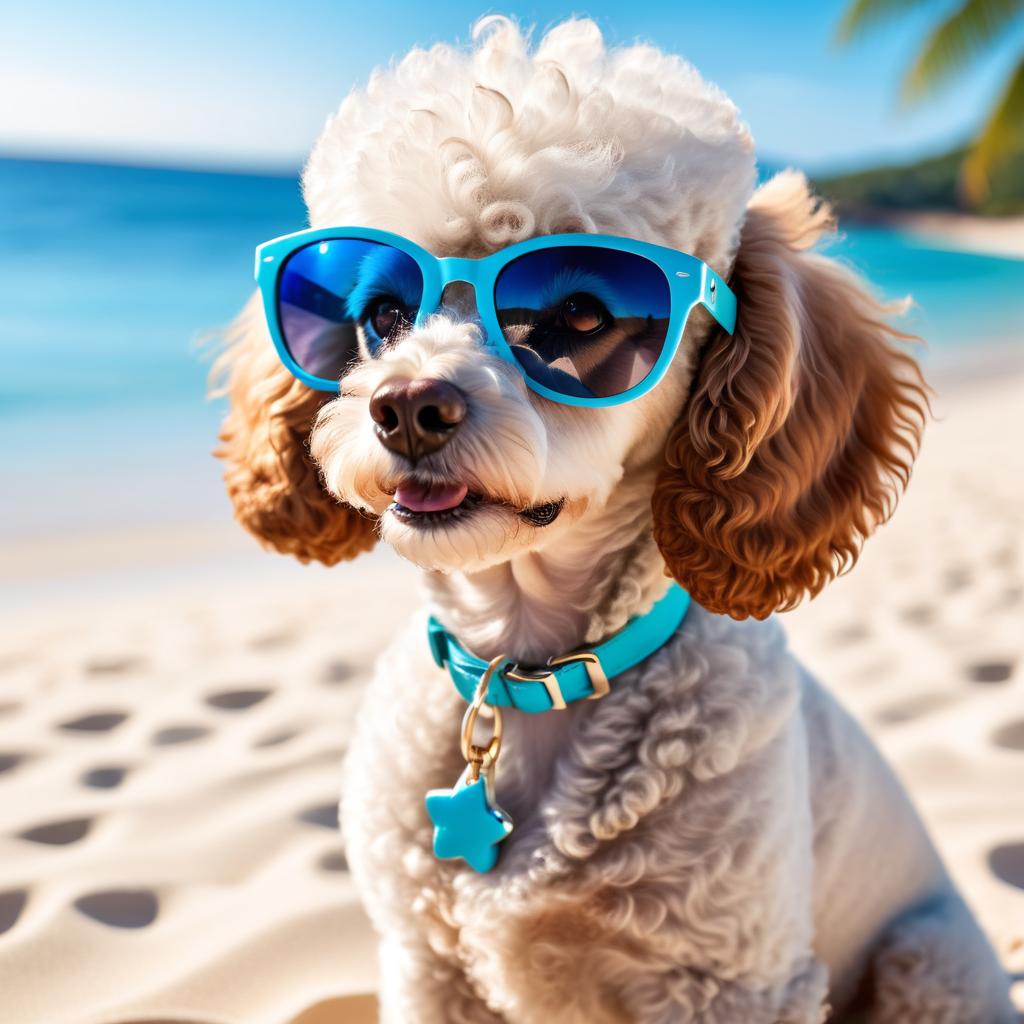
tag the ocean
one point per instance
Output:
(111, 276)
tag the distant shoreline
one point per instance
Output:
(961, 232)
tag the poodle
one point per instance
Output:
(714, 839)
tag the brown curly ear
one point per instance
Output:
(272, 481)
(801, 428)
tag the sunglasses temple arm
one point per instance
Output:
(257, 261)
(717, 298)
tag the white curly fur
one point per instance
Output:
(505, 144)
(716, 840)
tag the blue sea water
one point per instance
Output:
(109, 279)
(110, 276)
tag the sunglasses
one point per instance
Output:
(588, 320)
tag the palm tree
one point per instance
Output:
(955, 41)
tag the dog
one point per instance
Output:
(713, 840)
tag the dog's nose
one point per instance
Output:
(417, 417)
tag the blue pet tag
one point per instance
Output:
(468, 824)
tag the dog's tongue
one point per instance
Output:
(417, 497)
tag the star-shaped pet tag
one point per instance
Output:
(467, 822)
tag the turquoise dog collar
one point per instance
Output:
(572, 677)
(468, 823)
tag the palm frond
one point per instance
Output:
(955, 41)
(1002, 133)
(863, 15)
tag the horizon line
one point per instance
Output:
(185, 164)
(255, 167)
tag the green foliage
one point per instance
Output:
(959, 39)
(956, 42)
(930, 184)
(1003, 133)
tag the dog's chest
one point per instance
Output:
(529, 928)
(533, 751)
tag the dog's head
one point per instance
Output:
(765, 456)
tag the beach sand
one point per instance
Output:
(991, 236)
(174, 706)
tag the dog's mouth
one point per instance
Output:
(441, 504)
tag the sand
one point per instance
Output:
(991, 236)
(174, 706)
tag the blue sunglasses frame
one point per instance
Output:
(691, 283)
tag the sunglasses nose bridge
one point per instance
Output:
(456, 287)
(455, 268)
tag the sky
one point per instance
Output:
(249, 85)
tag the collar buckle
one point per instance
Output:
(549, 680)
(595, 671)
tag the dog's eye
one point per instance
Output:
(583, 313)
(386, 315)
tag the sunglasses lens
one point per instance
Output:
(584, 321)
(334, 292)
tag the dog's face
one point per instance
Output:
(473, 158)
(436, 443)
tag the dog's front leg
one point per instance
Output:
(934, 966)
(403, 745)
(418, 986)
(686, 996)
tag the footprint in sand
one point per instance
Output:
(1007, 863)
(1010, 736)
(336, 672)
(237, 700)
(272, 641)
(12, 903)
(120, 908)
(196, 1020)
(918, 615)
(58, 833)
(99, 721)
(104, 778)
(174, 734)
(324, 815)
(956, 578)
(913, 707)
(8, 762)
(276, 738)
(114, 665)
(854, 633)
(990, 671)
(332, 860)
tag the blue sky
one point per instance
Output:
(250, 84)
